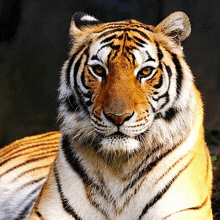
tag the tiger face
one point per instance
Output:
(120, 78)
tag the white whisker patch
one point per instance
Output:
(122, 144)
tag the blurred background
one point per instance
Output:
(34, 43)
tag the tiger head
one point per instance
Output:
(124, 82)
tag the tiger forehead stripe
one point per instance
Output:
(109, 39)
(123, 24)
(140, 40)
(144, 35)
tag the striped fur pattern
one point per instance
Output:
(24, 166)
(132, 139)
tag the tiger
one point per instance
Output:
(131, 142)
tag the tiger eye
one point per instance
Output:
(146, 71)
(99, 70)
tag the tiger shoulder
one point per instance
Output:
(131, 142)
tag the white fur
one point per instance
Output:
(88, 18)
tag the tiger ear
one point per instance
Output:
(81, 20)
(177, 26)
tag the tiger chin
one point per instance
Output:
(132, 138)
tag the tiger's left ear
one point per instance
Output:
(177, 26)
(81, 20)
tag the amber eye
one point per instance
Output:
(98, 70)
(146, 73)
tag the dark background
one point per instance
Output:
(35, 42)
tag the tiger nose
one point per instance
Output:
(118, 119)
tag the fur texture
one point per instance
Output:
(132, 139)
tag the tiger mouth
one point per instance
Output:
(119, 142)
(118, 134)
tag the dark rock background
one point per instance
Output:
(34, 44)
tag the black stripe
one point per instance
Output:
(95, 57)
(71, 63)
(162, 96)
(76, 69)
(18, 154)
(71, 104)
(38, 213)
(73, 160)
(117, 47)
(151, 59)
(139, 32)
(160, 56)
(153, 109)
(179, 73)
(197, 207)
(172, 166)
(170, 114)
(147, 169)
(26, 210)
(124, 30)
(168, 70)
(166, 94)
(160, 83)
(138, 44)
(33, 142)
(106, 45)
(162, 192)
(159, 52)
(132, 55)
(83, 79)
(75, 164)
(32, 182)
(89, 103)
(23, 214)
(191, 208)
(135, 170)
(110, 26)
(83, 73)
(69, 209)
(122, 25)
(88, 95)
(108, 39)
(29, 171)
(140, 41)
(116, 52)
(26, 162)
(77, 88)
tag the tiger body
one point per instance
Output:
(132, 138)
(24, 166)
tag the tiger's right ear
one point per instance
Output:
(81, 20)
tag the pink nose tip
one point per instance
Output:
(118, 119)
